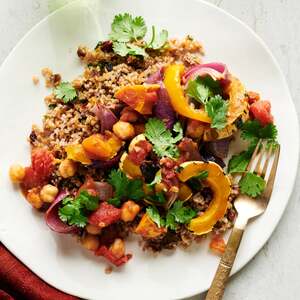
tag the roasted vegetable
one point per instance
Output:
(77, 153)
(149, 229)
(129, 167)
(220, 185)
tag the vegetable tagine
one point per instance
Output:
(137, 145)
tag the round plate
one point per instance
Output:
(58, 259)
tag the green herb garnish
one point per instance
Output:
(124, 188)
(74, 210)
(154, 215)
(164, 144)
(252, 185)
(216, 109)
(66, 92)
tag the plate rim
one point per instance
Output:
(257, 37)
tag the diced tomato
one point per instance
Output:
(89, 186)
(261, 111)
(168, 172)
(42, 165)
(105, 215)
(105, 252)
(217, 244)
(252, 97)
(140, 152)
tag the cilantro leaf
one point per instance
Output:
(157, 198)
(239, 162)
(170, 221)
(253, 131)
(162, 139)
(125, 28)
(154, 215)
(158, 41)
(216, 109)
(252, 185)
(182, 214)
(202, 88)
(65, 91)
(124, 49)
(74, 211)
(124, 188)
(202, 175)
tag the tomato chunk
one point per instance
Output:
(42, 165)
(107, 253)
(217, 244)
(261, 111)
(140, 151)
(105, 215)
(139, 97)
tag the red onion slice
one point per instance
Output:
(52, 218)
(155, 77)
(216, 70)
(106, 117)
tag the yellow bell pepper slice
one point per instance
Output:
(221, 187)
(178, 100)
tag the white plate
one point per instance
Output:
(53, 42)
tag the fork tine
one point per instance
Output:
(265, 167)
(257, 169)
(253, 156)
(270, 183)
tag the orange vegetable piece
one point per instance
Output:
(77, 153)
(217, 244)
(128, 167)
(149, 229)
(185, 193)
(139, 97)
(102, 147)
(221, 187)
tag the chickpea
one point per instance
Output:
(16, 173)
(118, 248)
(67, 168)
(48, 193)
(129, 211)
(33, 197)
(93, 229)
(90, 242)
(123, 130)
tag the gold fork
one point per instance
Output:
(247, 208)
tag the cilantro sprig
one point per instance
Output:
(66, 92)
(74, 210)
(164, 144)
(252, 185)
(252, 131)
(128, 31)
(216, 109)
(178, 214)
(124, 188)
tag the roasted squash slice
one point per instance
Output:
(128, 167)
(221, 187)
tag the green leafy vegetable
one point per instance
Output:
(124, 49)
(157, 198)
(154, 215)
(202, 175)
(216, 109)
(66, 92)
(170, 222)
(252, 185)
(127, 34)
(164, 144)
(239, 162)
(74, 211)
(182, 214)
(124, 188)
(253, 131)
(202, 88)
(158, 41)
(125, 28)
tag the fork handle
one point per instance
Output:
(217, 287)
